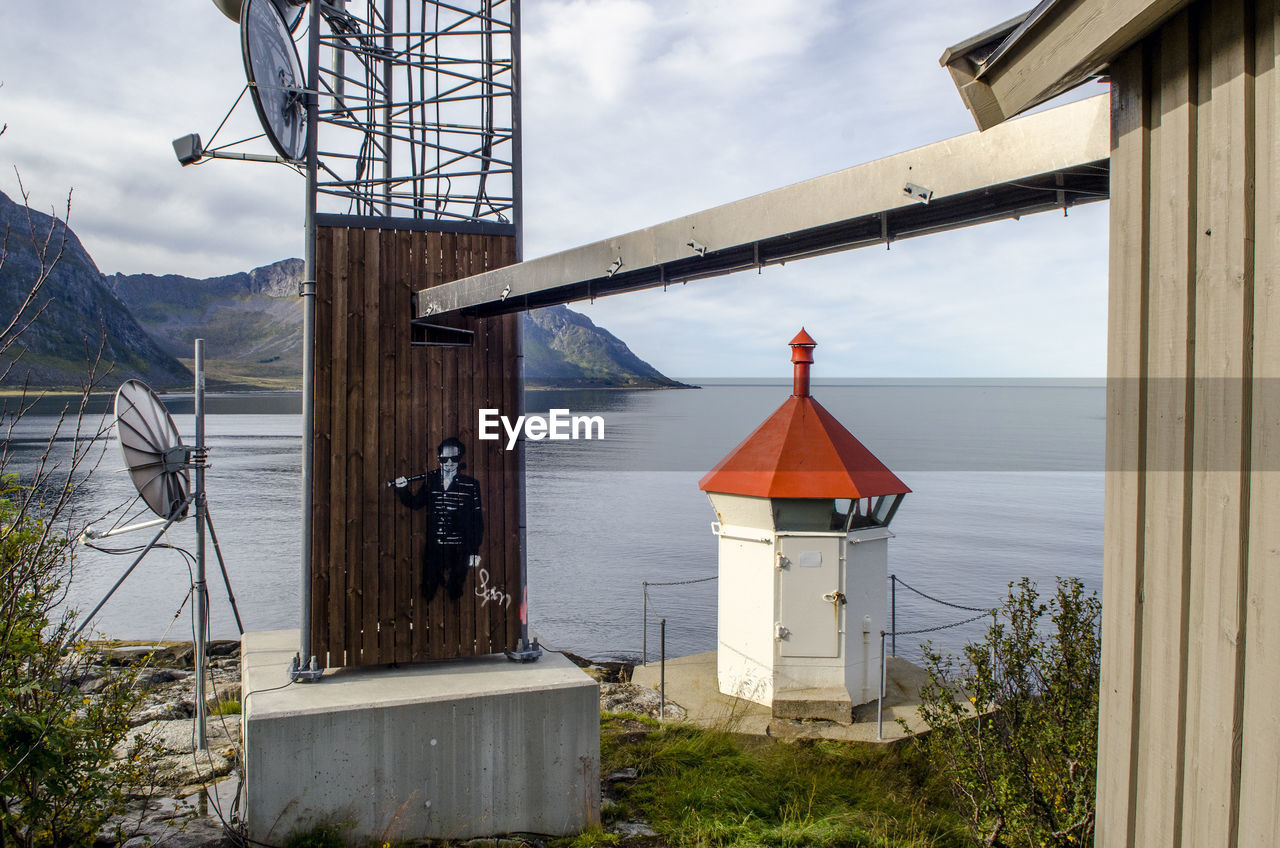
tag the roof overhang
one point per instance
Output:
(1051, 160)
(1053, 48)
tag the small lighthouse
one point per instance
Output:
(802, 515)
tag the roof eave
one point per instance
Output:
(1053, 48)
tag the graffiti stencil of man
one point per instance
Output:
(455, 521)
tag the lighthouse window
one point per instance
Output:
(885, 508)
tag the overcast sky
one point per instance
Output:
(636, 112)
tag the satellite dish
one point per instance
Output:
(152, 448)
(289, 10)
(230, 8)
(275, 76)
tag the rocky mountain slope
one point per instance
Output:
(252, 326)
(251, 323)
(77, 312)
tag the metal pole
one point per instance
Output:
(308, 293)
(893, 606)
(526, 649)
(200, 596)
(644, 638)
(880, 700)
(662, 674)
(388, 23)
(179, 512)
(226, 579)
(517, 146)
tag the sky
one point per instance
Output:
(635, 112)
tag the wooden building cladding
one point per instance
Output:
(1190, 722)
(381, 408)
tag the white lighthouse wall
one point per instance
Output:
(866, 575)
(744, 653)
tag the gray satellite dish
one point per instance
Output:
(230, 8)
(290, 10)
(153, 452)
(275, 76)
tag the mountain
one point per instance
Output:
(251, 322)
(252, 326)
(77, 312)
(565, 348)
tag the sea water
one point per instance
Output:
(1006, 479)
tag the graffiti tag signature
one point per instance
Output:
(491, 593)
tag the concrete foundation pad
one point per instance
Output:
(447, 750)
(691, 683)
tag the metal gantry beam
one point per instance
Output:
(1051, 160)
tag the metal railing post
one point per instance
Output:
(662, 674)
(644, 639)
(893, 612)
(880, 700)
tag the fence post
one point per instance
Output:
(662, 674)
(880, 700)
(893, 608)
(644, 640)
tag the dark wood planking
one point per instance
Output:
(355, 450)
(417, 401)
(338, 565)
(370, 496)
(321, 429)
(387, 354)
(403, 415)
(377, 389)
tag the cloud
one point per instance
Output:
(635, 112)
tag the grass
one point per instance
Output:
(711, 789)
(226, 707)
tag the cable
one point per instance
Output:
(899, 581)
(683, 582)
(982, 614)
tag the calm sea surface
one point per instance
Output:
(1007, 481)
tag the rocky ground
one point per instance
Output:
(180, 813)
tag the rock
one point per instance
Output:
(223, 648)
(127, 654)
(149, 677)
(622, 774)
(632, 698)
(632, 829)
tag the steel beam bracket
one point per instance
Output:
(311, 673)
(526, 653)
(307, 288)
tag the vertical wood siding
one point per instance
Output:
(381, 408)
(1190, 727)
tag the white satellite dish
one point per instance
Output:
(153, 452)
(275, 77)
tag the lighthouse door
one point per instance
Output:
(809, 596)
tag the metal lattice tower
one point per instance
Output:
(418, 109)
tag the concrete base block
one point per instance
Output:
(447, 750)
(828, 703)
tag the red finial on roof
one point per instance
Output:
(801, 357)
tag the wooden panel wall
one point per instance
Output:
(1190, 727)
(381, 408)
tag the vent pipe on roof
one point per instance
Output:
(801, 358)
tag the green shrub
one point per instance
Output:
(59, 779)
(1015, 722)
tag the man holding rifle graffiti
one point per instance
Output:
(455, 521)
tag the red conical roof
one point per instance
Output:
(802, 451)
